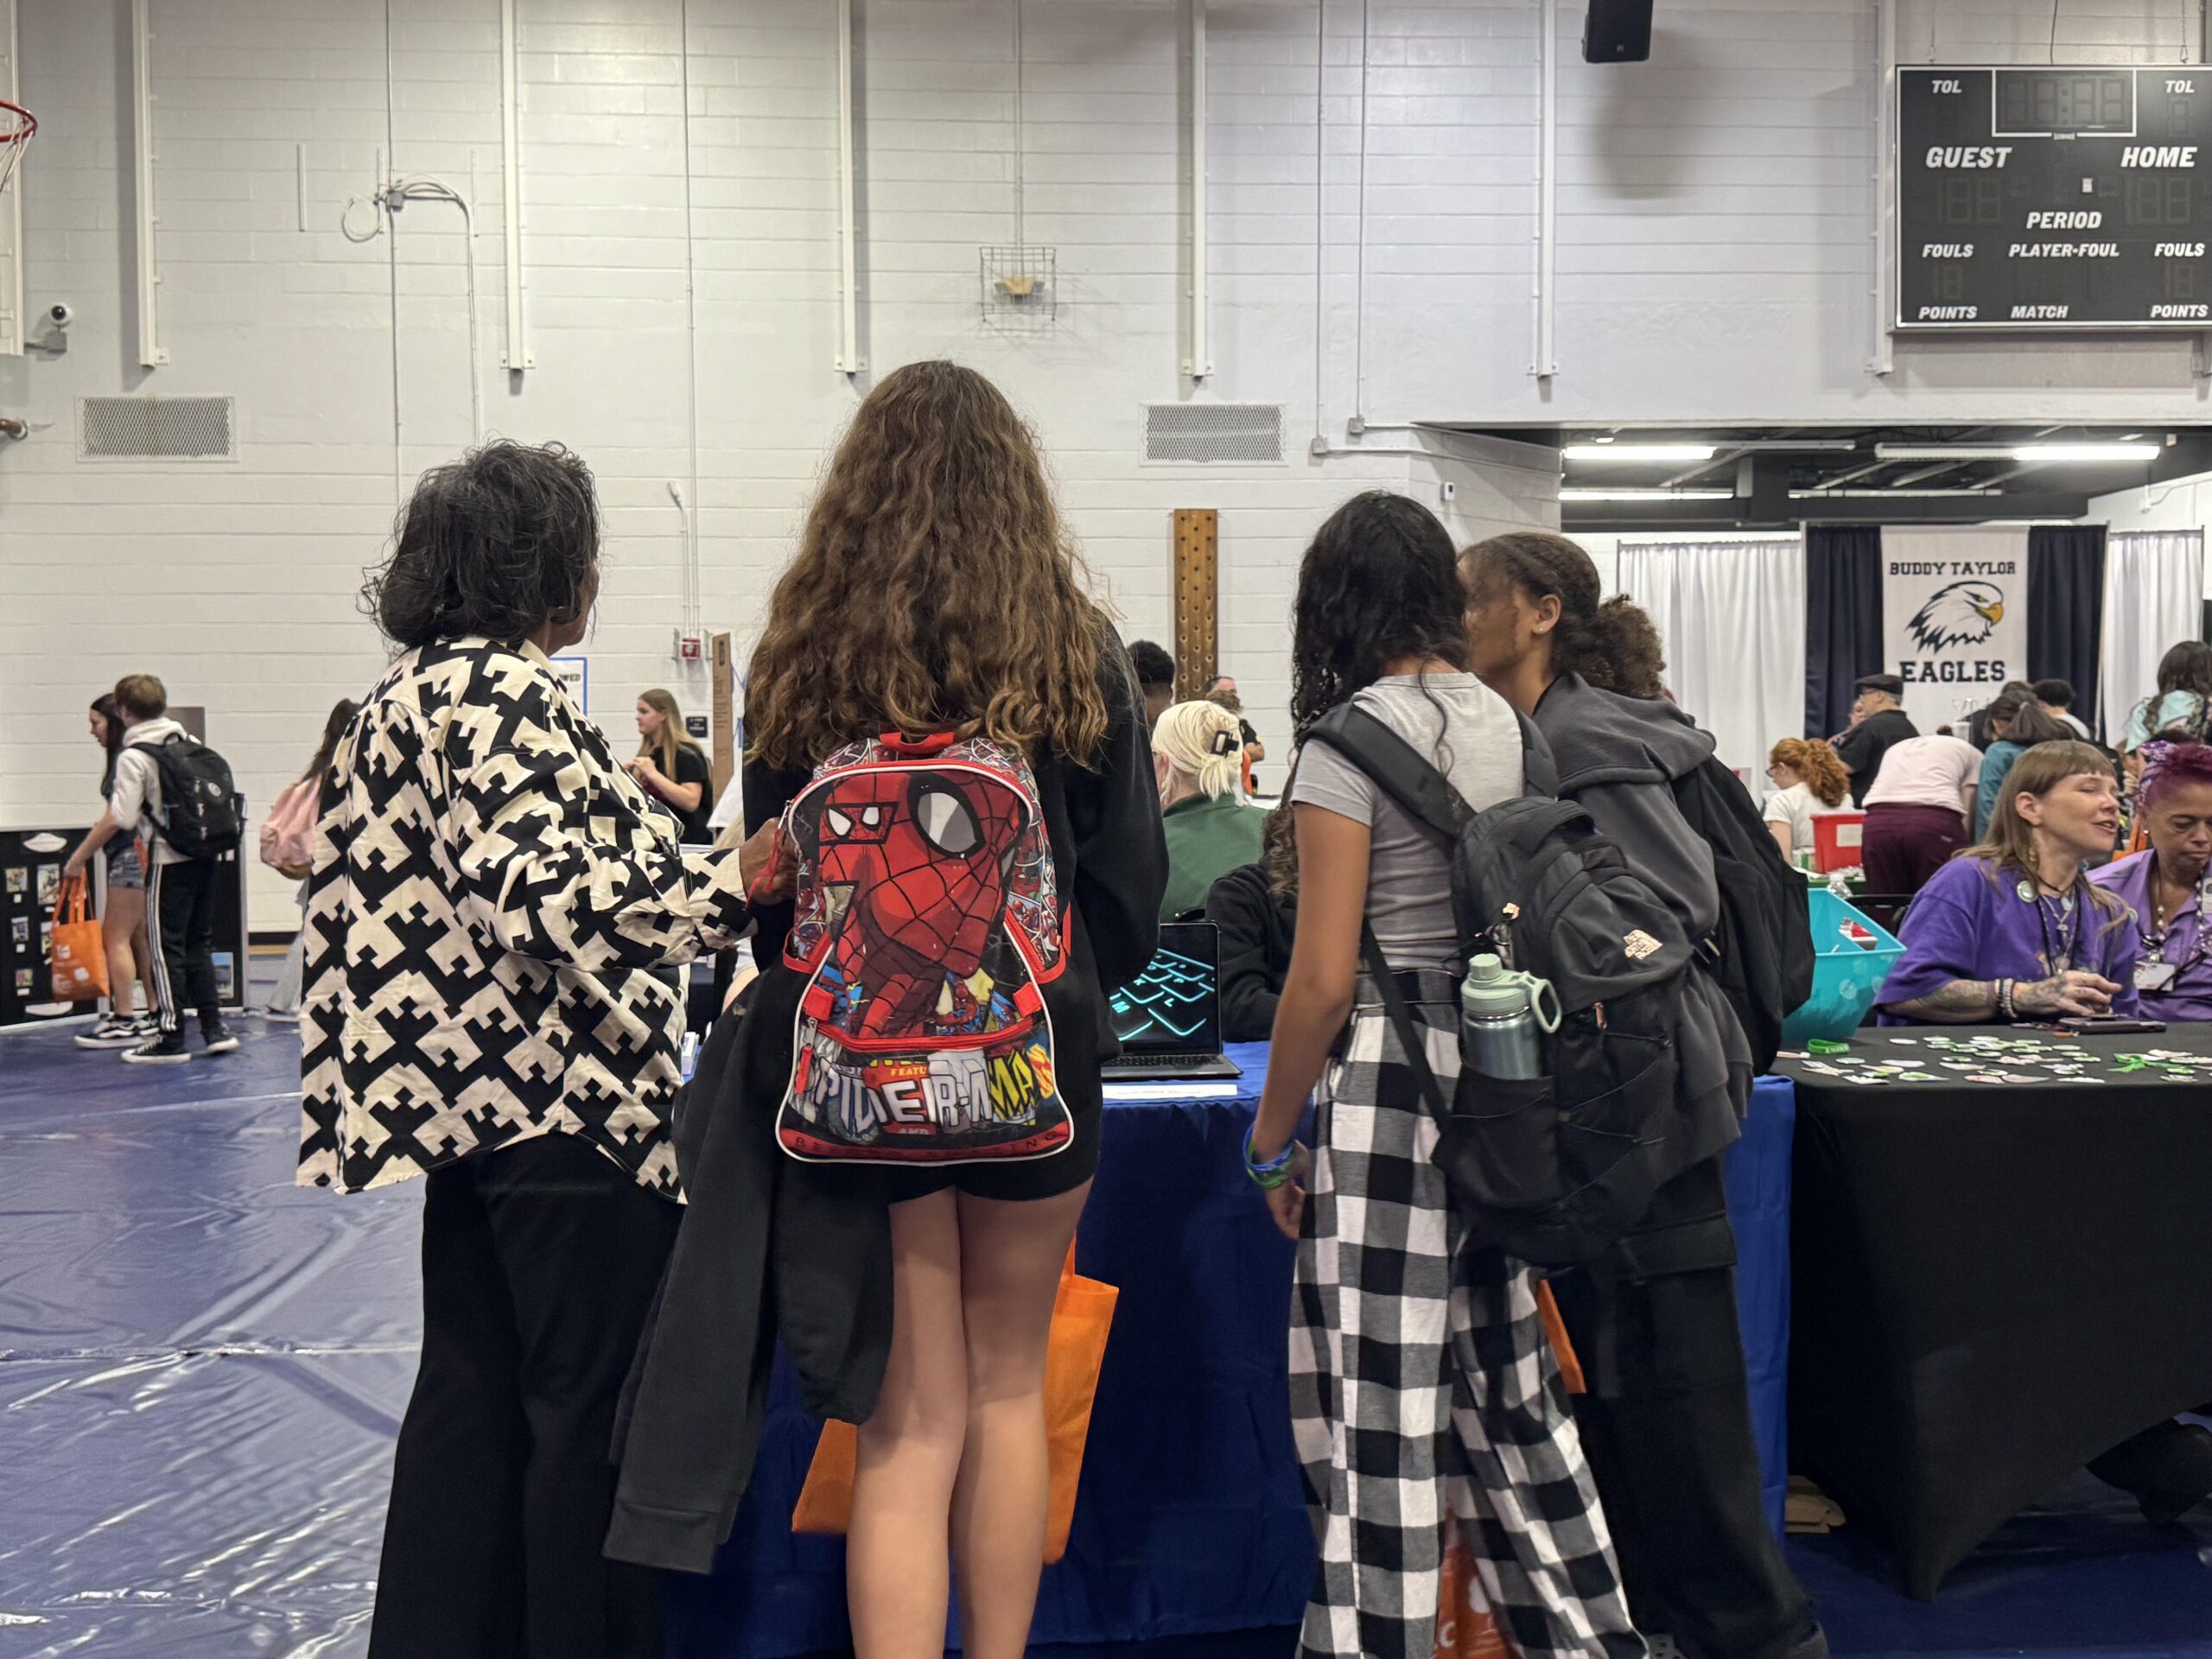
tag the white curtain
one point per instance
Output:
(2154, 599)
(1732, 616)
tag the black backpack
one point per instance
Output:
(1556, 1169)
(1761, 951)
(199, 805)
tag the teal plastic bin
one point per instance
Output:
(1853, 957)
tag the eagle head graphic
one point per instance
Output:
(1964, 614)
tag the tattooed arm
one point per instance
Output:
(1961, 1002)
(1965, 1001)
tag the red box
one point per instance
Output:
(1836, 837)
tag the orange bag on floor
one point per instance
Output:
(1465, 1629)
(80, 953)
(1082, 1315)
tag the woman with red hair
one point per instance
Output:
(1809, 780)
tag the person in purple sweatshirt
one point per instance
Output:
(2012, 929)
(2165, 885)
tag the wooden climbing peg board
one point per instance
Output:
(1197, 600)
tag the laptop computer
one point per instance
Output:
(1169, 1021)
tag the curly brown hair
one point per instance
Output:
(1610, 642)
(1812, 759)
(935, 587)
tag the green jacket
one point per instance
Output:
(1206, 840)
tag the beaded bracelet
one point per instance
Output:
(1276, 1170)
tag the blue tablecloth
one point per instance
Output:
(1190, 1518)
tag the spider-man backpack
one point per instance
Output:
(927, 928)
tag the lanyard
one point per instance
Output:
(2156, 942)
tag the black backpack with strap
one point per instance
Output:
(1556, 1169)
(200, 804)
(1760, 953)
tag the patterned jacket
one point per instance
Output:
(490, 895)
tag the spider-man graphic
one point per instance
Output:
(913, 868)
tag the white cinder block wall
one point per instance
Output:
(682, 273)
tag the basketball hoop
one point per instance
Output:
(18, 126)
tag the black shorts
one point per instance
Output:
(1024, 1182)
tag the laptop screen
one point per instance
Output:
(1175, 1005)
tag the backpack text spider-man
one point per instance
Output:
(927, 928)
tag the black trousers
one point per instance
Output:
(1667, 1426)
(539, 1263)
(182, 900)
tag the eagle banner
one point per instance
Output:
(1954, 618)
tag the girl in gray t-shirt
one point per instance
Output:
(1422, 1384)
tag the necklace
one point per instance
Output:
(2059, 945)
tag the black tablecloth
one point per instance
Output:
(1994, 1283)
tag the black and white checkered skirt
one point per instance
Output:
(1422, 1383)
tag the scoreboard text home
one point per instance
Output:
(2053, 198)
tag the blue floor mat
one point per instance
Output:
(201, 1369)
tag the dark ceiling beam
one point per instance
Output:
(1760, 512)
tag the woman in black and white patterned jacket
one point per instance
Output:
(491, 893)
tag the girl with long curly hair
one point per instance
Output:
(936, 590)
(1422, 1383)
(1809, 779)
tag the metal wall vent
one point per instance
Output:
(156, 428)
(1223, 434)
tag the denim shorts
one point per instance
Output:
(125, 869)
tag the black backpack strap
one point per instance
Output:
(1408, 777)
(1401, 1019)
(1396, 768)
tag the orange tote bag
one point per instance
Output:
(1082, 1315)
(80, 953)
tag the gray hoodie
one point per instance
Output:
(1618, 758)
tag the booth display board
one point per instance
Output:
(2053, 197)
(30, 877)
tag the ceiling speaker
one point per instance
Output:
(1617, 31)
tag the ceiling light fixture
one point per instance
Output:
(2024, 452)
(1646, 495)
(1606, 449)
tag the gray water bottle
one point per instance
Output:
(1502, 1020)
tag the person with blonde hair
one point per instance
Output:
(1198, 756)
(671, 766)
(2013, 929)
(1809, 779)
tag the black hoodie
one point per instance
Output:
(1618, 758)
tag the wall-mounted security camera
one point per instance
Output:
(52, 337)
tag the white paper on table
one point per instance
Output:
(1170, 1090)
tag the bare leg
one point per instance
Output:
(122, 931)
(896, 1573)
(1010, 1257)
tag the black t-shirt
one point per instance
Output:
(692, 767)
(1863, 747)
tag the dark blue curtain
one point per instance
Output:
(2066, 608)
(1843, 619)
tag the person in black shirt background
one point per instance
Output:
(1156, 678)
(1255, 907)
(671, 766)
(1878, 720)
